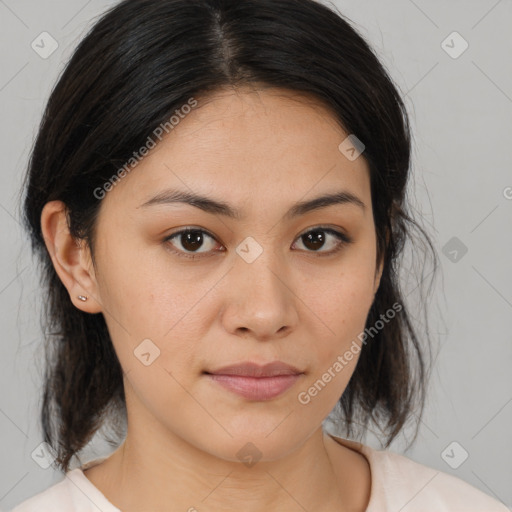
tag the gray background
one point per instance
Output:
(461, 113)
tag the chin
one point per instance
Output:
(252, 445)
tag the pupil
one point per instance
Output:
(316, 238)
(191, 238)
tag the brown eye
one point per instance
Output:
(314, 239)
(189, 241)
(318, 238)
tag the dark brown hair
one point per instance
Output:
(139, 63)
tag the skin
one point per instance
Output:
(261, 152)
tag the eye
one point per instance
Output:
(192, 239)
(319, 237)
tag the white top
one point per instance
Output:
(398, 484)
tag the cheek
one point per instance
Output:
(344, 311)
(341, 306)
(155, 313)
(141, 290)
(344, 296)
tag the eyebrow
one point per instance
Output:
(217, 207)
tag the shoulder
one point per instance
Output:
(55, 498)
(405, 485)
(74, 493)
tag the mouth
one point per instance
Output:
(255, 382)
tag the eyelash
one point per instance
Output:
(342, 237)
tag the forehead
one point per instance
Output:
(252, 148)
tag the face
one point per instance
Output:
(269, 284)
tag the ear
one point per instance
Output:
(380, 268)
(71, 258)
(378, 275)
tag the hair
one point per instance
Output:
(142, 60)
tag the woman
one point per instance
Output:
(217, 196)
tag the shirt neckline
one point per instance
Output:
(370, 455)
(82, 485)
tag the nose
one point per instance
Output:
(260, 298)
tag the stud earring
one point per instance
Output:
(82, 298)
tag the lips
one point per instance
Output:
(250, 369)
(255, 382)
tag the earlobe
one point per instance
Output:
(70, 257)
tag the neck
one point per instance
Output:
(173, 475)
